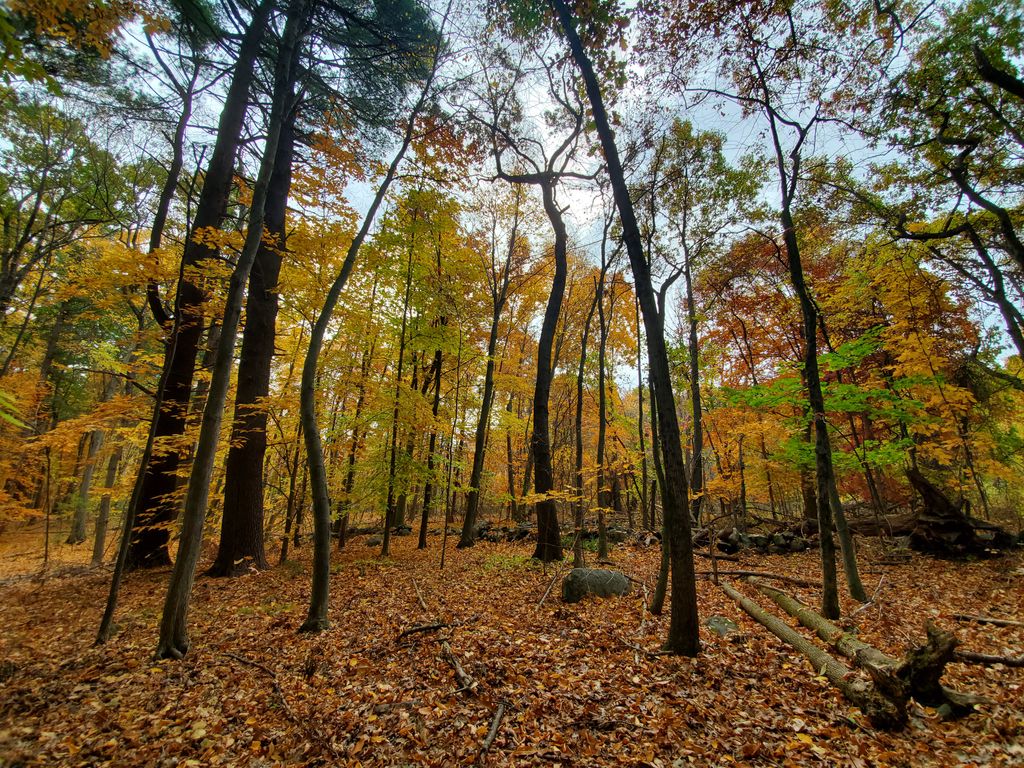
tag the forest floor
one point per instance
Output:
(576, 691)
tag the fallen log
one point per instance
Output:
(988, 620)
(796, 581)
(492, 734)
(917, 675)
(881, 711)
(945, 528)
(422, 628)
(988, 660)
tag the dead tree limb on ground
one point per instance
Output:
(988, 620)
(795, 580)
(987, 660)
(917, 675)
(881, 711)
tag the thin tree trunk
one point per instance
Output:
(693, 351)
(391, 511)
(316, 619)
(577, 546)
(684, 626)
(428, 489)
(103, 517)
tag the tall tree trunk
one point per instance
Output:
(693, 350)
(156, 510)
(549, 544)
(174, 641)
(428, 489)
(603, 495)
(499, 294)
(822, 446)
(684, 627)
(241, 532)
(647, 521)
(390, 514)
(577, 544)
(510, 470)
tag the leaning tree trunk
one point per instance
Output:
(684, 627)
(156, 509)
(241, 532)
(829, 507)
(174, 641)
(316, 618)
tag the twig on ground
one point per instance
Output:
(422, 628)
(305, 725)
(987, 660)
(467, 683)
(419, 596)
(558, 572)
(644, 651)
(492, 734)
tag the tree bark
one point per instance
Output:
(316, 618)
(882, 712)
(156, 509)
(241, 533)
(577, 545)
(549, 544)
(103, 516)
(174, 641)
(684, 627)
(499, 294)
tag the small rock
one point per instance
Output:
(374, 541)
(721, 626)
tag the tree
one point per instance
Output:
(683, 635)
(174, 641)
(316, 619)
(499, 280)
(158, 475)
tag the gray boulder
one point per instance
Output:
(599, 582)
(374, 541)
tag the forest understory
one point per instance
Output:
(573, 682)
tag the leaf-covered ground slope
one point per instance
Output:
(576, 686)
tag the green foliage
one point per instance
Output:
(500, 561)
